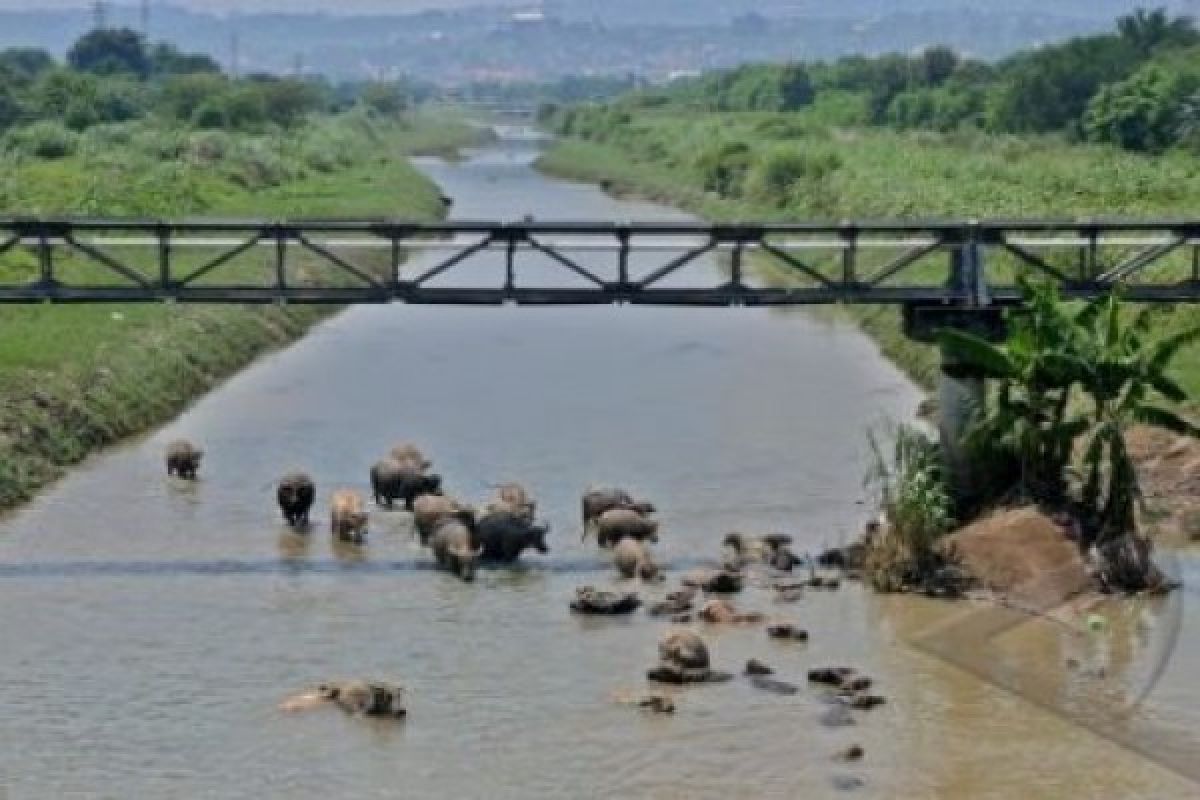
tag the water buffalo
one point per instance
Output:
(772, 549)
(720, 611)
(596, 501)
(590, 600)
(410, 456)
(452, 544)
(393, 480)
(512, 498)
(183, 459)
(683, 658)
(504, 536)
(631, 558)
(354, 697)
(348, 520)
(430, 509)
(295, 495)
(618, 523)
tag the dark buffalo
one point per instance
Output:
(295, 495)
(505, 535)
(392, 480)
(183, 459)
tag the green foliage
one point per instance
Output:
(110, 51)
(723, 168)
(42, 140)
(914, 497)
(1035, 371)
(1125, 376)
(1056, 358)
(780, 175)
(1144, 112)
(388, 98)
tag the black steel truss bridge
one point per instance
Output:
(951, 267)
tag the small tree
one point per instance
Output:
(110, 51)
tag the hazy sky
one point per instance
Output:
(259, 5)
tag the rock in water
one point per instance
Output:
(756, 667)
(772, 685)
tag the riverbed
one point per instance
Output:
(149, 628)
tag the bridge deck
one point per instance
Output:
(968, 264)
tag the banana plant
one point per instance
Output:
(1127, 381)
(1035, 369)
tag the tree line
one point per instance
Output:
(1137, 87)
(114, 76)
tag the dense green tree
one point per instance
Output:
(10, 107)
(935, 66)
(1142, 113)
(21, 65)
(1147, 31)
(110, 51)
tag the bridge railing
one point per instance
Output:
(954, 264)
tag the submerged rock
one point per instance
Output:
(854, 752)
(676, 602)
(772, 685)
(837, 717)
(788, 631)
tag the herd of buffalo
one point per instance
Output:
(461, 536)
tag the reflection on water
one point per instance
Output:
(149, 629)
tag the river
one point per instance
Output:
(148, 629)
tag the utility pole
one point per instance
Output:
(99, 15)
(298, 65)
(145, 19)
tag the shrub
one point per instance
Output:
(45, 139)
(915, 500)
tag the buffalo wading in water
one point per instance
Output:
(512, 498)
(410, 456)
(393, 480)
(618, 523)
(183, 459)
(453, 544)
(504, 536)
(366, 698)
(348, 520)
(631, 558)
(430, 509)
(295, 495)
(596, 501)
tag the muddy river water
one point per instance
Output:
(148, 629)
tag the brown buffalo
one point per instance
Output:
(596, 501)
(367, 698)
(453, 547)
(348, 520)
(512, 498)
(618, 523)
(430, 509)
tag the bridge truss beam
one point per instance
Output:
(949, 265)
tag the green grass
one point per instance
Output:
(881, 173)
(73, 378)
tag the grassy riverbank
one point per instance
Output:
(781, 166)
(75, 378)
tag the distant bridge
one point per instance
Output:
(942, 272)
